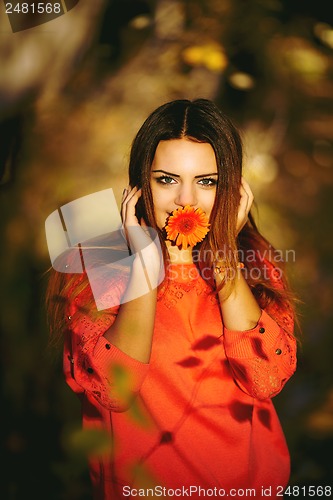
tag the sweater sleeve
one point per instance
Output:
(93, 365)
(264, 358)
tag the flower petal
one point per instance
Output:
(187, 226)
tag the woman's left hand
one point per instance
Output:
(245, 203)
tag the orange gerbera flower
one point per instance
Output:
(187, 226)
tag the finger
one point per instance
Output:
(131, 217)
(245, 203)
(129, 205)
(244, 198)
(123, 205)
(128, 194)
(123, 200)
(133, 196)
(246, 187)
(246, 193)
(131, 192)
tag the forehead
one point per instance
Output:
(185, 154)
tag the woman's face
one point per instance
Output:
(183, 172)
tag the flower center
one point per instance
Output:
(186, 225)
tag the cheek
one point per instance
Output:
(161, 200)
(161, 206)
(207, 201)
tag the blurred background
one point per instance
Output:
(73, 93)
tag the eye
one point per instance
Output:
(208, 182)
(165, 179)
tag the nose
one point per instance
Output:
(186, 195)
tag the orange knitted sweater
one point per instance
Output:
(202, 420)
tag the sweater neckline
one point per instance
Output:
(183, 272)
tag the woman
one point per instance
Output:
(181, 377)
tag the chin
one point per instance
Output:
(163, 221)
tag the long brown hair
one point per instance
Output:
(199, 120)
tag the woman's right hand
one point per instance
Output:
(137, 233)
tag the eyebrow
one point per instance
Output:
(176, 175)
